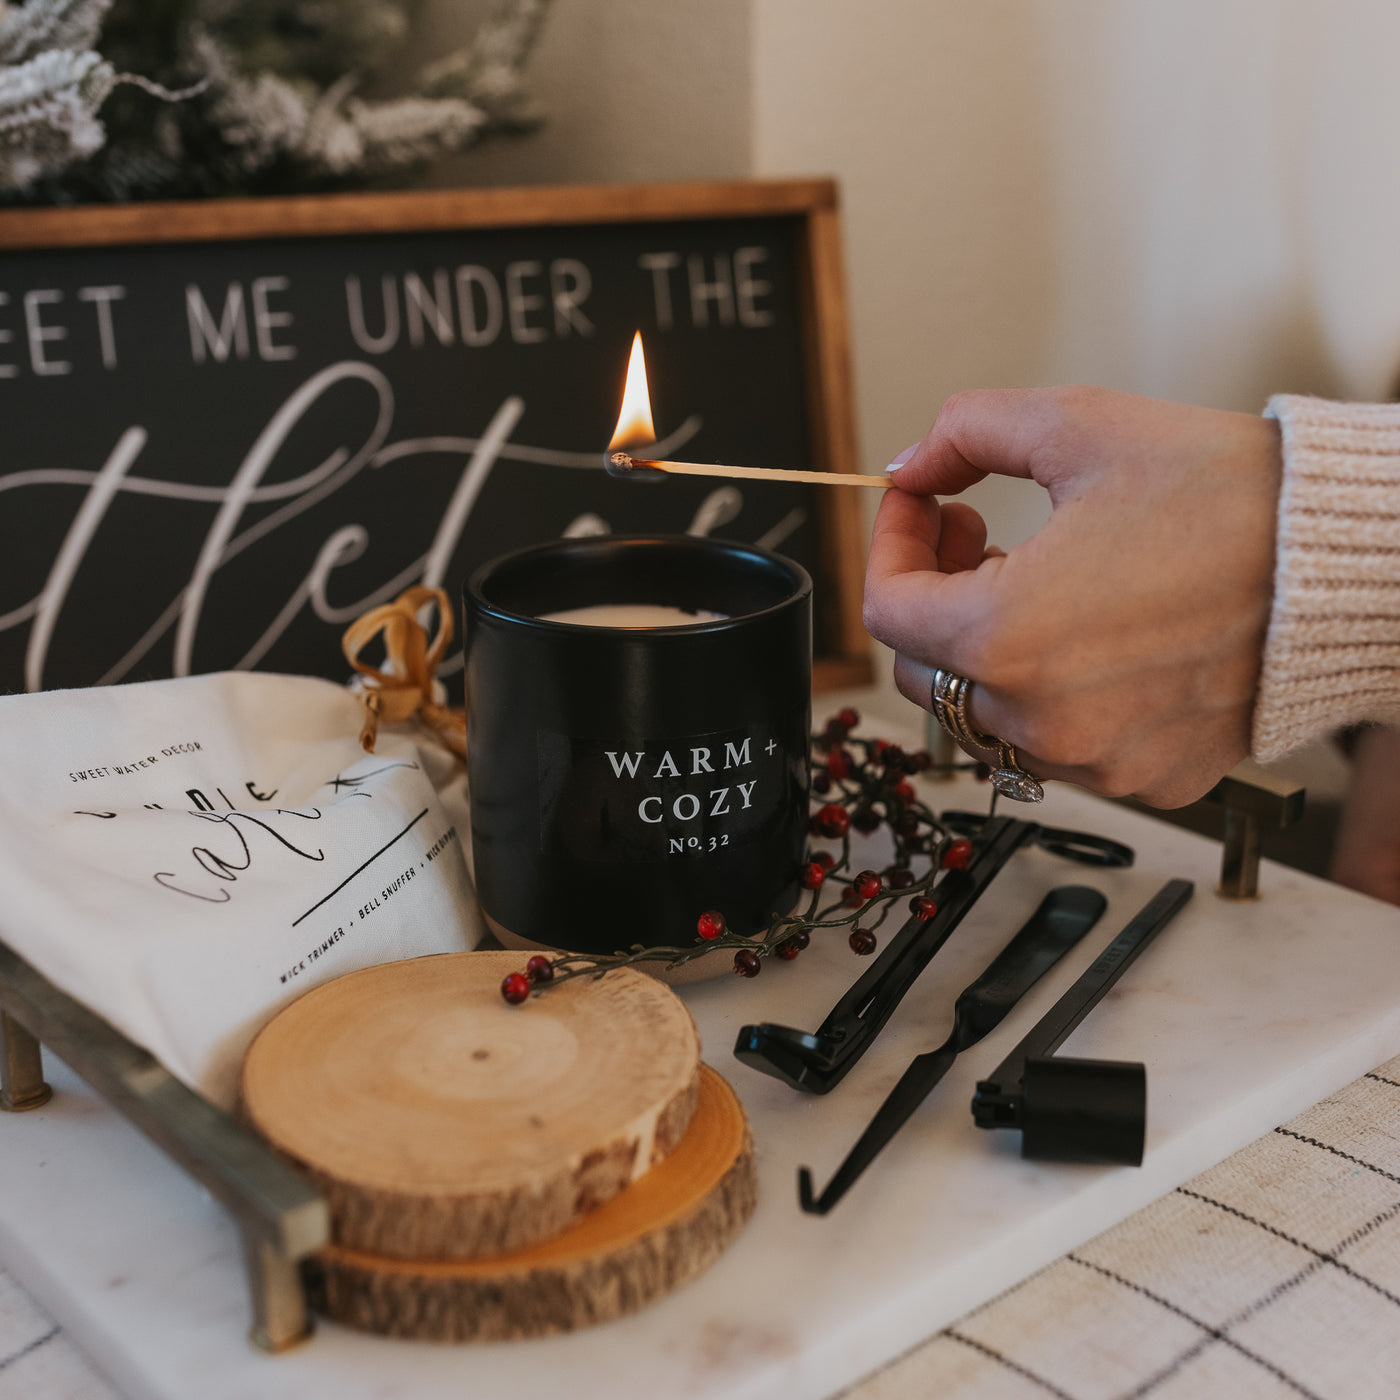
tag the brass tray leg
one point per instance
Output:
(280, 1317)
(1255, 801)
(280, 1215)
(21, 1068)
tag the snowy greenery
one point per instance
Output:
(139, 99)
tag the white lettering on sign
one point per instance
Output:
(41, 333)
(102, 299)
(229, 335)
(719, 289)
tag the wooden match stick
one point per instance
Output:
(624, 463)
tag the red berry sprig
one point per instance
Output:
(710, 925)
(862, 941)
(859, 785)
(515, 987)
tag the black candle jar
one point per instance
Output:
(625, 780)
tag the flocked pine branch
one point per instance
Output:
(273, 96)
(374, 138)
(260, 115)
(27, 31)
(48, 113)
(488, 71)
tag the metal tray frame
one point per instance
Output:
(280, 1216)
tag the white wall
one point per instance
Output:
(632, 90)
(1198, 199)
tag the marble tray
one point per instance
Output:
(1244, 1014)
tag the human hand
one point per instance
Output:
(1367, 853)
(1119, 647)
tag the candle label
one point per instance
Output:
(677, 798)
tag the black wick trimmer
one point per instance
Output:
(1064, 917)
(818, 1061)
(1071, 1110)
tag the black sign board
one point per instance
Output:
(228, 429)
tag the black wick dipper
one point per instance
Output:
(1064, 917)
(816, 1062)
(1071, 1110)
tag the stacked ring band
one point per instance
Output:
(948, 700)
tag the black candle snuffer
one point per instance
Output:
(1079, 1110)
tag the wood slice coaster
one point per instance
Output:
(439, 1122)
(659, 1233)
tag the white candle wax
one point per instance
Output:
(632, 616)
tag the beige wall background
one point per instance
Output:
(1198, 199)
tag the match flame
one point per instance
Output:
(634, 425)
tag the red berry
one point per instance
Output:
(838, 763)
(862, 941)
(836, 730)
(515, 987)
(892, 756)
(539, 969)
(710, 924)
(833, 820)
(821, 783)
(851, 898)
(825, 859)
(850, 718)
(866, 819)
(904, 792)
(901, 879)
(813, 876)
(800, 939)
(747, 963)
(867, 884)
(907, 824)
(787, 950)
(922, 907)
(877, 747)
(958, 854)
(922, 761)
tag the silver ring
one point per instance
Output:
(948, 700)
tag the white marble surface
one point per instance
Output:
(1244, 1014)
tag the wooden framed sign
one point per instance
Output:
(229, 428)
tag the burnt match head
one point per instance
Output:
(623, 464)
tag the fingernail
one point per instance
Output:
(902, 458)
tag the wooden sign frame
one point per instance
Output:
(824, 330)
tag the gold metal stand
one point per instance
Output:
(22, 1084)
(1255, 801)
(944, 752)
(281, 1217)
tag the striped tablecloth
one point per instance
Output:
(1274, 1274)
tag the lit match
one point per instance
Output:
(635, 430)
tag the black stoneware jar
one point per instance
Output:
(624, 781)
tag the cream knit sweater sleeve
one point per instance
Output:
(1332, 654)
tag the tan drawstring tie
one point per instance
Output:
(404, 688)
